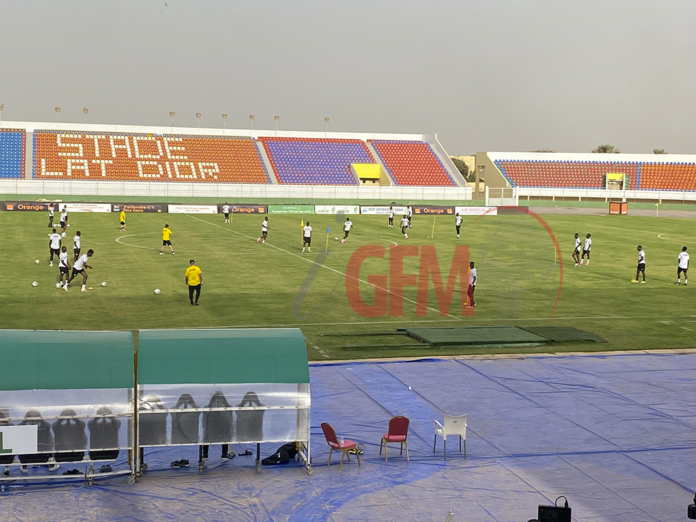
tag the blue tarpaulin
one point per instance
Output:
(615, 434)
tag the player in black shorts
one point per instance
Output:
(64, 265)
(391, 217)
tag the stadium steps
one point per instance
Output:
(266, 162)
(376, 158)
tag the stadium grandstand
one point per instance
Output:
(546, 174)
(124, 153)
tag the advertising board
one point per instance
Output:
(476, 211)
(336, 209)
(291, 209)
(192, 209)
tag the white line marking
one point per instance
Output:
(685, 328)
(660, 236)
(667, 322)
(118, 240)
(409, 322)
(322, 352)
(322, 266)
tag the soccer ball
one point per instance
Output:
(37, 261)
(336, 238)
(57, 285)
(35, 284)
(104, 283)
(157, 291)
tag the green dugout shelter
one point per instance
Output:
(65, 396)
(204, 387)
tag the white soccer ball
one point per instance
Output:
(336, 238)
(37, 261)
(35, 284)
(68, 224)
(57, 285)
(157, 291)
(104, 283)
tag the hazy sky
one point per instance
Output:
(497, 75)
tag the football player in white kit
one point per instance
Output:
(63, 265)
(391, 216)
(50, 215)
(307, 237)
(264, 231)
(76, 245)
(641, 265)
(404, 226)
(586, 249)
(346, 229)
(576, 250)
(54, 245)
(682, 266)
(79, 268)
(410, 215)
(226, 211)
(63, 220)
(457, 222)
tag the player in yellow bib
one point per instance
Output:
(122, 219)
(166, 239)
(194, 280)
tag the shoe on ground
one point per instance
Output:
(106, 468)
(184, 463)
(247, 452)
(175, 464)
(161, 253)
(83, 290)
(23, 470)
(54, 467)
(228, 456)
(577, 264)
(50, 264)
(634, 280)
(258, 239)
(642, 282)
(6, 471)
(172, 253)
(196, 303)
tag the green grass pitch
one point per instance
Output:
(276, 285)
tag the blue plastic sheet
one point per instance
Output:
(615, 434)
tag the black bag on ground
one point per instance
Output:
(282, 455)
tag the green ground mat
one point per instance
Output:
(563, 334)
(474, 335)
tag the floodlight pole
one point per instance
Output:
(57, 113)
(224, 121)
(251, 119)
(326, 131)
(277, 119)
(198, 117)
(2, 106)
(85, 110)
(172, 114)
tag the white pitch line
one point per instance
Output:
(322, 352)
(415, 321)
(323, 266)
(685, 328)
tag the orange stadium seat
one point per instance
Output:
(412, 163)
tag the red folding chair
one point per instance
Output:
(335, 444)
(398, 432)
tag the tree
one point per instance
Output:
(606, 149)
(463, 169)
(544, 150)
(659, 151)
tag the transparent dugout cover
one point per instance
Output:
(222, 413)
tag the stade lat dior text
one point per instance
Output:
(392, 285)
